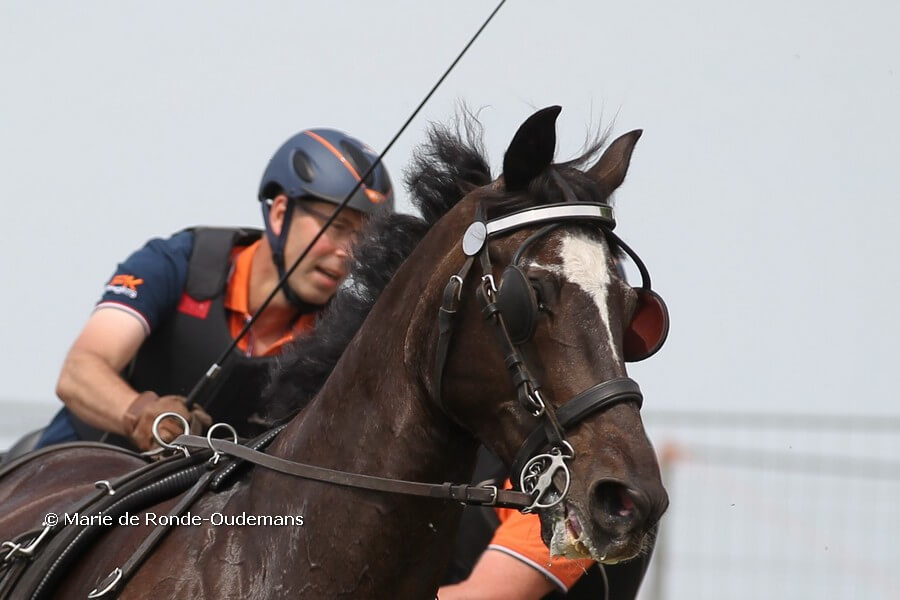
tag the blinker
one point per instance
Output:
(518, 304)
(517, 300)
(644, 336)
(649, 327)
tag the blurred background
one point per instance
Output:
(763, 196)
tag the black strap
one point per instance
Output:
(446, 316)
(208, 266)
(600, 396)
(148, 484)
(466, 494)
(119, 576)
(227, 472)
(645, 274)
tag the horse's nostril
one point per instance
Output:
(616, 507)
(626, 503)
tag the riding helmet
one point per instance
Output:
(320, 164)
(325, 164)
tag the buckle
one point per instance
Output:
(20, 549)
(494, 493)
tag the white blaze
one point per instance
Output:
(585, 263)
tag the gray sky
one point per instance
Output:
(763, 195)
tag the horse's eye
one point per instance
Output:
(539, 295)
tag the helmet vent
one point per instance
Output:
(360, 161)
(302, 166)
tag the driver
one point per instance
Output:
(172, 307)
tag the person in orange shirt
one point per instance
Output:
(499, 554)
(173, 306)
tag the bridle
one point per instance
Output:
(542, 480)
(512, 309)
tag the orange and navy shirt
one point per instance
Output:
(519, 535)
(150, 284)
(237, 296)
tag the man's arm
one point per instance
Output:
(499, 576)
(89, 383)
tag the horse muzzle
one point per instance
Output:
(616, 523)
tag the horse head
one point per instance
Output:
(541, 322)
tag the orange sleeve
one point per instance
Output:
(519, 535)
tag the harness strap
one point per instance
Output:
(213, 480)
(119, 576)
(466, 494)
(645, 274)
(593, 399)
(530, 240)
(132, 491)
(19, 552)
(224, 474)
(446, 316)
(14, 464)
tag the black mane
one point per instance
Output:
(445, 168)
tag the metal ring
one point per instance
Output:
(217, 454)
(570, 455)
(537, 402)
(458, 289)
(160, 441)
(104, 484)
(115, 575)
(489, 278)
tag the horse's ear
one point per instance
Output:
(531, 149)
(610, 170)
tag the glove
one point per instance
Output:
(138, 419)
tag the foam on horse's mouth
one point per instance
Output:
(569, 537)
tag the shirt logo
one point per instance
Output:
(125, 285)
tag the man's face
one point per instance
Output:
(318, 276)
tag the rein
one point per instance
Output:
(488, 495)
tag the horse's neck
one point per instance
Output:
(374, 415)
(375, 420)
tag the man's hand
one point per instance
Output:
(138, 419)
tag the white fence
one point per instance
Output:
(777, 507)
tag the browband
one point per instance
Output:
(565, 211)
(479, 232)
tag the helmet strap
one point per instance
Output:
(277, 244)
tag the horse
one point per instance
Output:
(536, 362)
